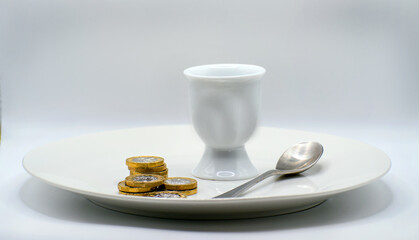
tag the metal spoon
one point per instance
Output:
(295, 159)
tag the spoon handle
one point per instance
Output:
(245, 186)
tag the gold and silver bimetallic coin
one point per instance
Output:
(180, 183)
(148, 169)
(144, 161)
(165, 194)
(144, 180)
(154, 189)
(131, 193)
(125, 188)
(163, 173)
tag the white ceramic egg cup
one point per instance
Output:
(225, 104)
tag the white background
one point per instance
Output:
(349, 68)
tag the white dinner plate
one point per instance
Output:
(92, 165)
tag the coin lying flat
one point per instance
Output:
(163, 173)
(144, 161)
(180, 183)
(144, 180)
(165, 194)
(154, 189)
(148, 169)
(131, 193)
(125, 188)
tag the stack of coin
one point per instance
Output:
(140, 184)
(148, 178)
(187, 186)
(147, 165)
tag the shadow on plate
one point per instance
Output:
(345, 207)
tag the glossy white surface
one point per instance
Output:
(224, 100)
(225, 72)
(92, 165)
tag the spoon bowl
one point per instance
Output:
(300, 157)
(294, 160)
